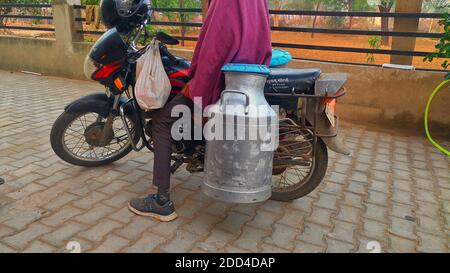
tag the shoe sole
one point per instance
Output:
(161, 218)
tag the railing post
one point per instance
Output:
(405, 25)
(66, 27)
(205, 4)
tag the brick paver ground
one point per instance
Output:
(395, 190)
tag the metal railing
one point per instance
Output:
(319, 30)
(278, 28)
(26, 17)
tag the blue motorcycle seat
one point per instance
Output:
(246, 68)
(280, 57)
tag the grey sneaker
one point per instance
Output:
(149, 207)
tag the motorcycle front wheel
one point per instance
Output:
(76, 139)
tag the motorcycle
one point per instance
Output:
(102, 128)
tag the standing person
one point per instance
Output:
(235, 31)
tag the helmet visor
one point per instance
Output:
(127, 8)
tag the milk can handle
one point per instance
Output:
(247, 99)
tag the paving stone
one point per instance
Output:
(62, 215)
(401, 245)
(60, 201)
(263, 220)
(19, 219)
(137, 226)
(63, 234)
(21, 239)
(190, 208)
(97, 232)
(321, 216)
(314, 234)
(6, 249)
(183, 241)
(403, 228)
(374, 230)
(202, 225)
(27, 190)
(93, 215)
(302, 247)
(430, 225)
(120, 199)
(250, 239)
(268, 248)
(335, 246)
(431, 244)
(402, 211)
(343, 231)
(349, 214)
(39, 247)
(168, 230)
(283, 237)
(216, 241)
(123, 215)
(402, 196)
(327, 201)
(234, 222)
(88, 201)
(375, 212)
(112, 244)
(146, 244)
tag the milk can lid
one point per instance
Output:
(246, 68)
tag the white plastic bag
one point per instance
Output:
(152, 84)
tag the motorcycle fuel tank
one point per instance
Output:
(241, 136)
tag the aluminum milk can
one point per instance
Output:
(241, 137)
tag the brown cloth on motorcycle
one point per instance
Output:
(234, 31)
(93, 15)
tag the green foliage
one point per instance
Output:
(443, 46)
(90, 2)
(374, 43)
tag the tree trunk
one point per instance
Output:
(431, 25)
(384, 25)
(315, 18)
(350, 9)
(276, 20)
(183, 20)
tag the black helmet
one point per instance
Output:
(124, 14)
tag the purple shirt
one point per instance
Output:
(235, 31)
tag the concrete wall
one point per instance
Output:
(44, 56)
(389, 97)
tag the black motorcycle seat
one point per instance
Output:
(286, 81)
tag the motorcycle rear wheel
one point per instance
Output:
(309, 183)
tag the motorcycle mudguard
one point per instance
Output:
(324, 128)
(98, 101)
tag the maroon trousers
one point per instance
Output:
(162, 122)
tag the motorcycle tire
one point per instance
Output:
(56, 140)
(312, 182)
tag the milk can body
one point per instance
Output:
(238, 165)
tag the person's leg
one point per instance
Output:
(159, 205)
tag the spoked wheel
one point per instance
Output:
(79, 139)
(298, 168)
